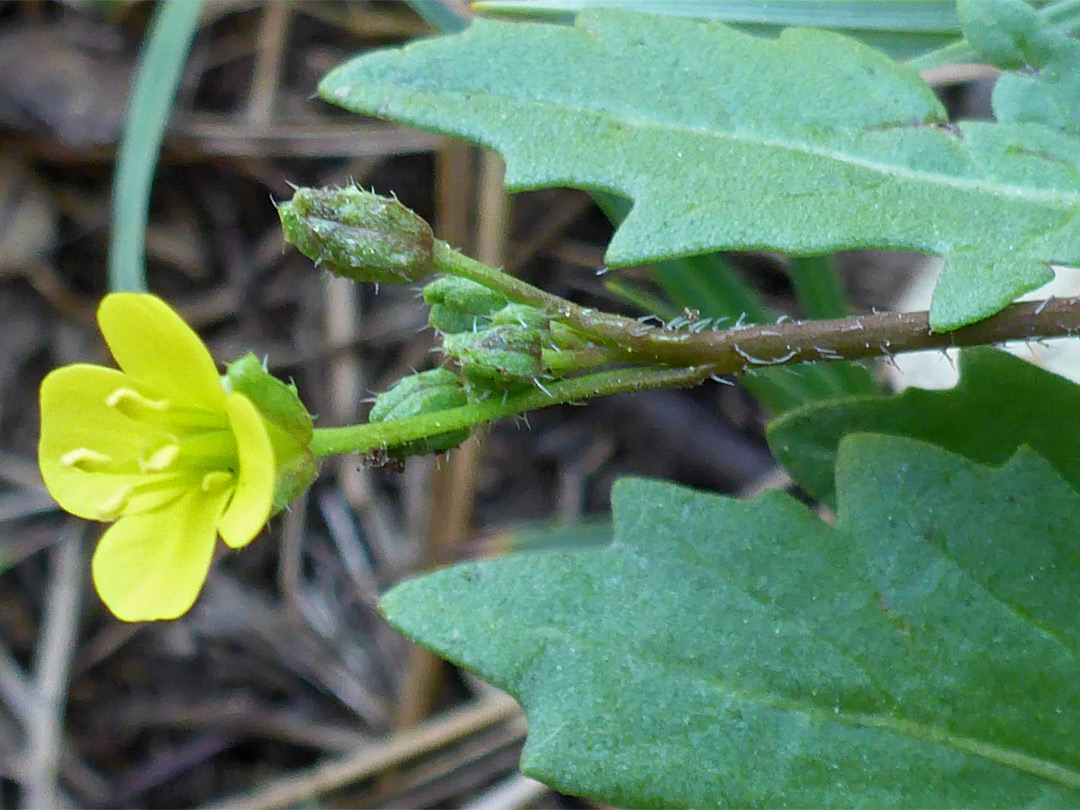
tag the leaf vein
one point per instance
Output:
(1036, 766)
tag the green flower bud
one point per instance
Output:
(358, 235)
(427, 392)
(566, 339)
(288, 424)
(500, 357)
(460, 305)
(521, 315)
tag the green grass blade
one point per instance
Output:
(643, 299)
(438, 15)
(817, 286)
(901, 28)
(930, 16)
(156, 79)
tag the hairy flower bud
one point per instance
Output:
(521, 315)
(358, 235)
(499, 357)
(460, 305)
(427, 392)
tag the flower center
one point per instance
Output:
(182, 449)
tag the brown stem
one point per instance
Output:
(869, 336)
(744, 348)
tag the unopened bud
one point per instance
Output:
(427, 392)
(521, 315)
(460, 305)
(500, 357)
(358, 235)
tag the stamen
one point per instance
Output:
(161, 459)
(134, 405)
(112, 508)
(85, 459)
(217, 480)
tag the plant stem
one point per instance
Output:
(611, 330)
(561, 362)
(860, 336)
(370, 437)
(737, 350)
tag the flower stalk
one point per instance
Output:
(378, 436)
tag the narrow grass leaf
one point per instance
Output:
(149, 105)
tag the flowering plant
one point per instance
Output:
(161, 448)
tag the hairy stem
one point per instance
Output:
(740, 349)
(665, 357)
(862, 336)
(370, 437)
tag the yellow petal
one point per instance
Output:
(152, 566)
(154, 345)
(77, 424)
(250, 507)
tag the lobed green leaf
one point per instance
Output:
(922, 652)
(1000, 404)
(807, 144)
(1042, 81)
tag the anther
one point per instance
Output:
(134, 405)
(216, 481)
(86, 460)
(115, 505)
(161, 459)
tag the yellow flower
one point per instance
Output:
(161, 448)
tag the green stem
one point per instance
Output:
(820, 292)
(370, 437)
(610, 330)
(559, 363)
